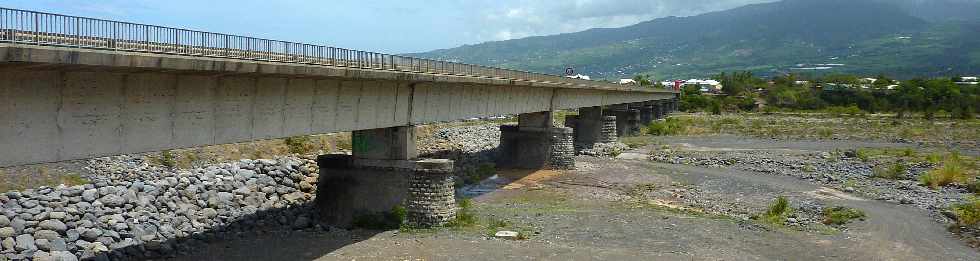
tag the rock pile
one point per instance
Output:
(133, 210)
(842, 172)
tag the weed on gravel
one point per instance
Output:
(777, 212)
(841, 215)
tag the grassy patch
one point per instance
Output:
(968, 213)
(637, 141)
(952, 171)
(670, 126)
(890, 171)
(777, 212)
(37, 176)
(840, 215)
(300, 145)
(167, 159)
(465, 215)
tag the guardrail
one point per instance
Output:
(30, 27)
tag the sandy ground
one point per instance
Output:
(597, 213)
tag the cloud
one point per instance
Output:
(509, 19)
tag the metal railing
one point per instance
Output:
(30, 27)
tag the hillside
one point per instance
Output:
(867, 36)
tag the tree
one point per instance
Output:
(643, 80)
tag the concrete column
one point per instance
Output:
(395, 143)
(627, 120)
(608, 131)
(431, 196)
(587, 128)
(535, 144)
(562, 149)
(658, 110)
(646, 113)
(383, 173)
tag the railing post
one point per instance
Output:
(37, 28)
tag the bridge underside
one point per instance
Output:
(54, 106)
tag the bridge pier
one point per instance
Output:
(659, 110)
(646, 113)
(383, 173)
(535, 144)
(590, 127)
(627, 119)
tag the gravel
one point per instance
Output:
(133, 210)
(843, 172)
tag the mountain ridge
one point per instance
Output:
(767, 38)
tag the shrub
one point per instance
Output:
(825, 133)
(951, 171)
(167, 159)
(464, 215)
(777, 212)
(670, 126)
(841, 215)
(968, 213)
(862, 154)
(894, 171)
(839, 111)
(715, 107)
(300, 144)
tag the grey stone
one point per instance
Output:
(301, 222)
(220, 200)
(90, 195)
(4, 221)
(8, 243)
(25, 242)
(52, 224)
(63, 256)
(6, 232)
(209, 213)
(506, 234)
(18, 224)
(43, 244)
(91, 234)
(58, 215)
(46, 234)
(112, 200)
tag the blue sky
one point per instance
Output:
(392, 26)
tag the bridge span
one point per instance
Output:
(75, 88)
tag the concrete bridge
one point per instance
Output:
(75, 88)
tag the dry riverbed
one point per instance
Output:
(721, 190)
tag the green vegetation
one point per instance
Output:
(777, 212)
(839, 96)
(763, 39)
(891, 171)
(36, 176)
(840, 215)
(475, 175)
(953, 170)
(300, 145)
(167, 159)
(669, 126)
(968, 212)
(465, 215)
